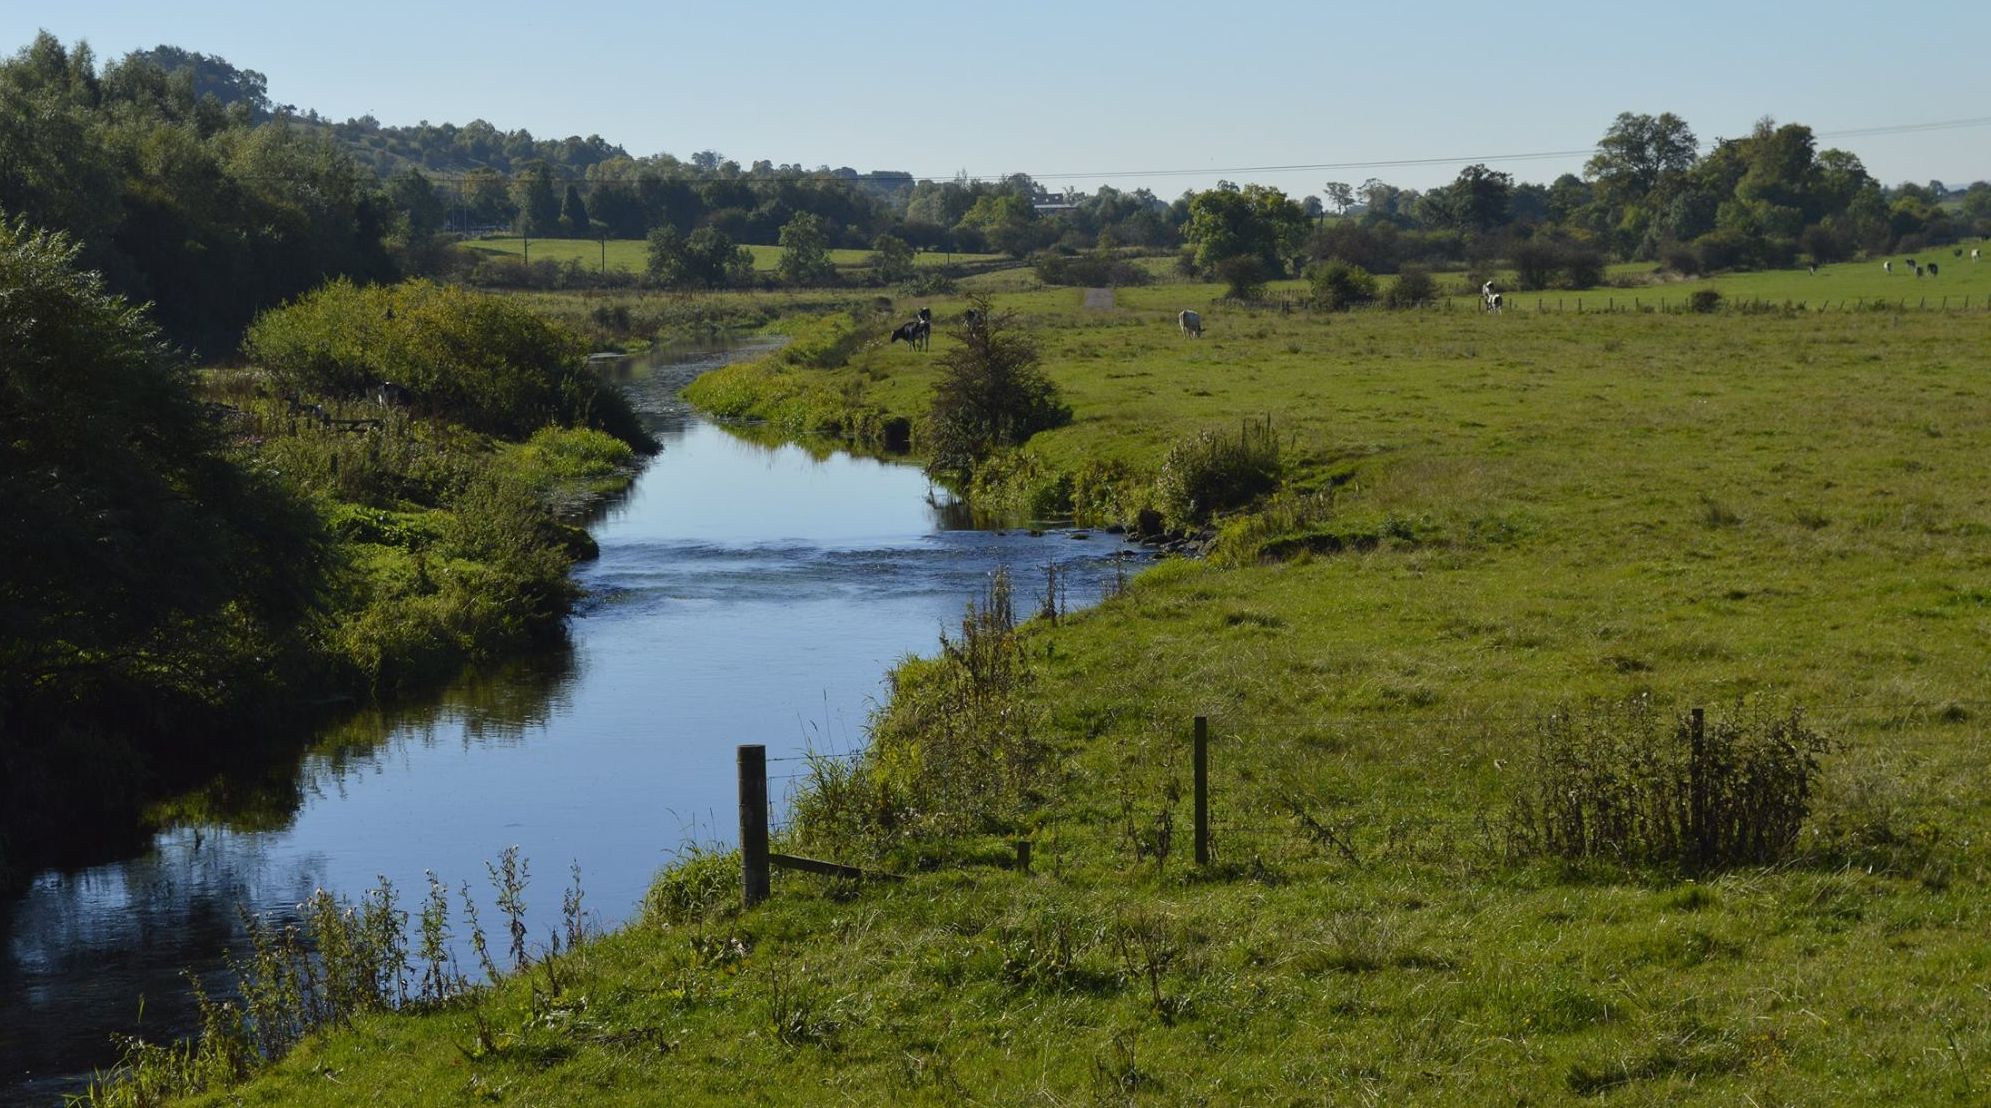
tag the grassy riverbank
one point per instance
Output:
(1485, 521)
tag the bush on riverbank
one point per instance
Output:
(472, 359)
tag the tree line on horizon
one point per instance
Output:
(189, 189)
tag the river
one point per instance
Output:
(744, 593)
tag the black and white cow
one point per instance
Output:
(917, 333)
(1191, 323)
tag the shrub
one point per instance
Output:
(1542, 265)
(1099, 269)
(1244, 277)
(1704, 301)
(1339, 286)
(1413, 288)
(991, 393)
(1210, 472)
(480, 360)
(1682, 260)
(1626, 785)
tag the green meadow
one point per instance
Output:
(632, 255)
(1486, 524)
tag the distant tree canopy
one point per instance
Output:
(1649, 193)
(175, 198)
(187, 188)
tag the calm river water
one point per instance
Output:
(744, 593)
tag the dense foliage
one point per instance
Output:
(176, 199)
(144, 577)
(477, 360)
(991, 393)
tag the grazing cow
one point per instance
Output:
(1490, 299)
(917, 333)
(970, 317)
(390, 395)
(1192, 324)
(1814, 269)
(1973, 253)
(1887, 267)
(1916, 268)
(1933, 271)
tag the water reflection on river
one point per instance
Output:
(745, 593)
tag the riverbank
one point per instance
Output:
(1487, 525)
(380, 550)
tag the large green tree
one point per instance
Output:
(1255, 223)
(1639, 153)
(805, 251)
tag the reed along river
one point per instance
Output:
(744, 594)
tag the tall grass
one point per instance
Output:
(1628, 785)
(336, 961)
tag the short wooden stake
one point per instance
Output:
(1023, 855)
(1202, 771)
(753, 824)
(1697, 787)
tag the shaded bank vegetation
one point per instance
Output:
(188, 563)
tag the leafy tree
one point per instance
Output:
(892, 260)
(1340, 194)
(212, 76)
(991, 393)
(706, 259)
(805, 253)
(538, 205)
(574, 213)
(1007, 220)
(1255, 222)
(1480, 198)
(413, 197)
(1638, 153)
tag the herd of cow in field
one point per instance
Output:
(918, 332)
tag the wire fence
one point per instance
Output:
(1613, 304)
(1248, 788)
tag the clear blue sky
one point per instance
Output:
(1102, 90)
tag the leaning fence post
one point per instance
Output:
(753, 824)
(1202, 771)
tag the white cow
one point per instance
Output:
(1887, 267)
(1973, 253)
(1192, 324)
(1490, 298)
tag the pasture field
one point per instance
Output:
(1497, 518)
(632, 255)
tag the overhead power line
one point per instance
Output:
(461, 176)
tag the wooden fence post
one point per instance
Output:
(1202, 771)
(1697, 786)
(1023, 855)
(753, 824)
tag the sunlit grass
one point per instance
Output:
(1555, 510)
